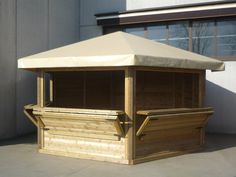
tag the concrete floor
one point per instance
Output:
(19, 158)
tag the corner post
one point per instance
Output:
(40, 103)
(130, 106)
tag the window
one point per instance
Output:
(214, 37)
(203, 37)
(157, 33)
(139, 31)
(226, 37)
(179, 35)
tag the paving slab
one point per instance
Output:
(19, 158)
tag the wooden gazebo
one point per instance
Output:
(119, 98)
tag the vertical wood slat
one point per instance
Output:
(201, 89)
(84, 89)
(51, 89)
(201, 96)
(130, 94)
(40, 103)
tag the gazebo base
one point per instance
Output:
(101, 134)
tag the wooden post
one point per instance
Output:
(51, 94)
(130, 94)
(40, 103)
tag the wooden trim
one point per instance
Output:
(172, 111)
(130, 94)
(108, 68)
(28, 111)
(41, 89)
(179, 70)
(142, 127)
(40, 103)
(51, 89)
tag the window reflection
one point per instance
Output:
(179, 35)
(203, 33)
(139, 31)
(215, 37)
(226, 37)
(157, 33)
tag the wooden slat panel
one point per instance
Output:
(84, 134)
(108, 126)
(166, 90)
(76, 144)
(90, 89)
(174, 130)
(164, 140)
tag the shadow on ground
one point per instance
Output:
(215, 142)
(26, 139)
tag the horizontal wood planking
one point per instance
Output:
(167, 90)
(95, 135)
(172, 140)
(90, 147)
(84, 156)
(171, 130)
(89, 89)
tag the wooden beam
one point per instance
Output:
(51, 89)
(41, 89)
(130, 93)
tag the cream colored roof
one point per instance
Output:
(119, 49)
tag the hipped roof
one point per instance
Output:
(119, 49)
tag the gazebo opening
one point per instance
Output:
(89, 90)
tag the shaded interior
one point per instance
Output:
(105, 90)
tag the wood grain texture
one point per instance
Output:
(175, 130)
(130, 105)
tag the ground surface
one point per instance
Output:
(19, 158)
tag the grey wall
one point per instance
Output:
(41, 25)
(7, 68)
(221, 95)
(28, 27)
(88, 8)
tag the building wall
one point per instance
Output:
(221, 95)
(88, 8)
(7, 68)
(28, 27)
(41, 25)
